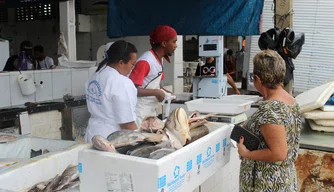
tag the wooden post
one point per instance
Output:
(283, 13)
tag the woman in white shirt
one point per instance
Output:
(111, 96)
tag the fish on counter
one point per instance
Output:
(198, 132)
(152, 124)
(160, 153)
(102, 144)
(5, 138)
(155, 138)
(128, 138)
(67, 180)
(146, 150)
(177, 126)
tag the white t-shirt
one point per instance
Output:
(111, 100)
(46, 63)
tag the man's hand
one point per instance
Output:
(237, 92)
(159, 94)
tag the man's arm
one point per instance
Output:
(161, 87)
(160, 95)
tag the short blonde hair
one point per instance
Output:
(270, 67)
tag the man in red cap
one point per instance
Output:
(148, 71)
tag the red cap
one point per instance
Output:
(162, 33)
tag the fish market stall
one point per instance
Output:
(42, 169)
(182, 170)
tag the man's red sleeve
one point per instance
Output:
(139, 72)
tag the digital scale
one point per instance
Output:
(233, 119)
(214, 83)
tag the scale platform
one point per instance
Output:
(234, 119)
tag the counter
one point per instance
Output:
(11, 112)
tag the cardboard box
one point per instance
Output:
(183, 170)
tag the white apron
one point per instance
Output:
(146, 106)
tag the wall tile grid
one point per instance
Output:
(50, 84)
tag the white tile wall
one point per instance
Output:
(16, 96)
(79, 78)
(5, 90)
(62, 83)
(44, 85)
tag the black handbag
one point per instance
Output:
(251, 141)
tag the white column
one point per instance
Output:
(67, 27)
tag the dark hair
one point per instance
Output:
(119, 50)
(155, 45)
(229, 52)
(39, 48)
(25, 45)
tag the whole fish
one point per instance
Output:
(160, 153)
(4, 138)
(151, 124)
(70, 174)
(102, 144)
(198, 132)
(124, 138)
(71, 185)
(144, 150)
(178, 125)
(53, 184)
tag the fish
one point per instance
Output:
(197, 123)
(151, 124)
(198, 132)
(40, 186)
(70, 186)
(52, 184)
(124, 138)
(5, 138)
(100, 143)
(70, 174)
(160, 153)
(178, 126)
(143, 151)
(67, 180)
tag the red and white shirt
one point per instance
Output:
(147, 68)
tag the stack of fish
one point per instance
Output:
(69, 179)
(155, 138)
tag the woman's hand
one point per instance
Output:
(242, 150)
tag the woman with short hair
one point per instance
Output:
(277, 123)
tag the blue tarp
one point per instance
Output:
(188, 17)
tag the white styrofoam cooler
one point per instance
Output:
(23, 175)
(21, 148)
(183, 170)
(223, 106)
